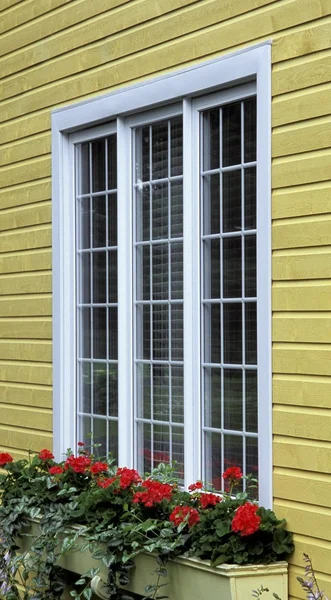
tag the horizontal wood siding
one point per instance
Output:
(53, 52)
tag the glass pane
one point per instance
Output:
(100, 437)
(250, 129)
(177, 394)
(233, 453)
(112, 220)
(84, 289)
(143, 332)
(113, 440)
(113, 327)
(99, 222)
(160, 211)
(212, 333)
(144, 447)
(212, 287)
(232, 333)
(143, 158)
(143, 210)
(176, 189)
(231, 134)
(99, 333)
(85, 332)
(211, 139)
(143, 273)
(178, 452)
(213, 459)
(85, 387)
(143, 391)
(213, 397)
(232, 267)
(252, 460)
(83, 169)
(211, 204)
(160, 272)
(160, 150)
(84, 240)
(112, 276)
(113, 390)
(161, 443)
(161, 392)
(250, 334)
(85, 431)
(250, 198)
(177, 271)
(232, 201)
(250, 266)
(98, 166)
(177, 330)
(176, 146)
(161, 332)
(233, 400)
(100, 388)
(99, 277)
(251, 401)
(112, 163)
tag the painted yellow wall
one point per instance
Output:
(53, 52)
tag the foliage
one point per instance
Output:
(121, 515)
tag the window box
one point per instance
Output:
(194, 578)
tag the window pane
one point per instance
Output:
(178, 452)
(100, 437)
(177, 271)
(177, 394)
(177, 329)
(176, 146)
(112, 276)
(113, 341)
(160, 150)
(250, 333)
(233, 399)
(113, 440)
(250, 266)
(100, 388)
(231, 134)
(83, 168)
(143, 375)
(250, 198)
(232, 333)
(250, 129)
(160, 272)
(161, 445)
(213, 397)
(84, 278)
(233, 452)
(211, 139)
(99, 222)
(112, 163)
(143, 210)
(85, 332)
(112, 220)
(252, 460)
(211, 204)
(161, 392)
(144, 443)
(212, 267)
(232, 267)
(160, 211)
(99, 333)
(251, 401)
(84, 229)
(143, 332)
(85, 380)
(161, 332)
(212, 333)
(98, 166)
(176, 209)
(99, 277)
(143, 154)
(143, 273)
(213, 459)
(232, 201)
(113, 389)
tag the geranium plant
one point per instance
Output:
(121, 514)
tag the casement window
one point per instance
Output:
(161, 264)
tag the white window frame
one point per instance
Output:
(68, 125)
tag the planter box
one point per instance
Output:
(188, 578)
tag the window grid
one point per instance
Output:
(170, 425)
(101, 426)
(207, 301)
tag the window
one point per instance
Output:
(162, 272)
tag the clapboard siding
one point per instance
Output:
(59, 51)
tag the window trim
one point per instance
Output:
(227, 71)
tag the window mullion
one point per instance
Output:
(125, 354)
(192, 417)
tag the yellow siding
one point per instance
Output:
(57, 51)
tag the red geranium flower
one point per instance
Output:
(184, 513)
(5, 458)
(104, 483)
(45, 454)
(128, 477)
(246, 521)
(79, 464)
(80, 444)
(99, 467)
(195, 486)
(233, 473)
(154, 493)
(207, 500)
(56, 470)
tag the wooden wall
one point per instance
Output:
(53, 52)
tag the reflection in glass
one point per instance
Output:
(98, 166)
(232, 267)
(99, 333)
(211, 138)
(160, 150)
(250, 266)
(250, 198)
(232, 333)
(85, 387)
(232, 201)
(113, 333)
(212, 333)
(99, 388)
(213, 397)
(161, 444)
(250, 129)
(161, 392)
(176, 191)
(251, 401)
(161, 332)
(177, 270)
(143, 375)
(99, 277)
(176, 133)
(177, 328)
(231, 134)
(160, 211)
(250, 334)
(211, 204)
(233, 399)
(211, 253)
(84, 223)
(99, 223)
(160, 271)
(177, 394)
